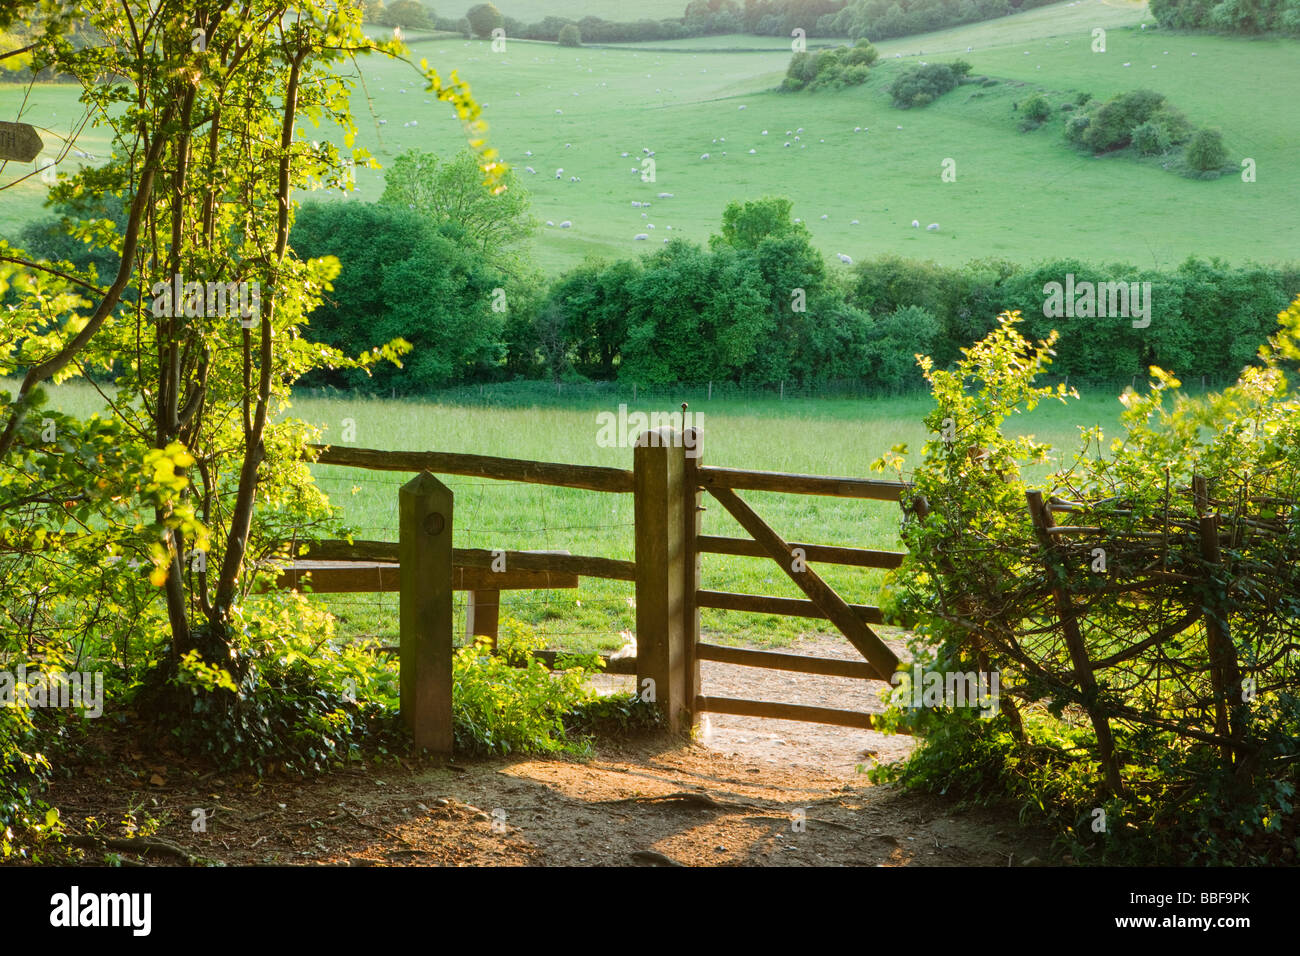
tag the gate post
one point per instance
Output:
(424, 550)
(658, 464)
(693, 508)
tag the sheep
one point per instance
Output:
(799, 130)
(933, 227)
(626, 155)
(704, 156)
(787, 145)
(650, 225)
(559, 112)
(383, 122)
(764, 132)
(635, 204)
(641, 235)
(665, 195)
(528, 152)
(573, 179)
(740, 107)
(857, 129)
(531, 170)
(568, 146)
(916, 224)
(646, 150)
(752, 152)
(843, 258)
(549, 223)
(559, 174)
(566, 224)
(853, 223)
(824, 216)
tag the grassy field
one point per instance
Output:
(815, 436)
(1021, 196)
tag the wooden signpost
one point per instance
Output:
(19, 141)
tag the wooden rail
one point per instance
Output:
(878, 490)
(773, 660)
(588, 477)
(829, 554)
(803, 712)
(789, 607)
(557, 562)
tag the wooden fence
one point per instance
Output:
(668, 482)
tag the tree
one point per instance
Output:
(492, 225)
(483, 19)
(202, 113)
(404, 276)
(407, 14)
(570, 36)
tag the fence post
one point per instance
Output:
(1055, 569)
(424, 550)
(658, 464)
(482, 611)
(693, 516)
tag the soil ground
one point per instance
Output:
(747, 792)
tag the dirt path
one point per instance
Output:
(749, 792)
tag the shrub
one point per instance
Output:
(1036, 108)
(1206, 151)
(570, 36)
(861, 53)
(1114, 121)
(1151, 138)
(920, 85)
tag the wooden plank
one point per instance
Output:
(370, 577)
(773, 660)
(587, 477)
(828, 554)
(803, 712)
(583, 565)
(558, 562)
(425, 522)
(873, 488)
(819, 592)
(790, 607)
(661, 575)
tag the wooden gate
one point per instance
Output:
(795, 559)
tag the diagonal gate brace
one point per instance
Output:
(877, 653)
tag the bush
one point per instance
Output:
(1151, 138)
(1036, 108)
(830, 69)
(1035, 111)
(1114, 121)
(1206, 151)
(920, 85)
(570, 36)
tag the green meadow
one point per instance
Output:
(1022, 196)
